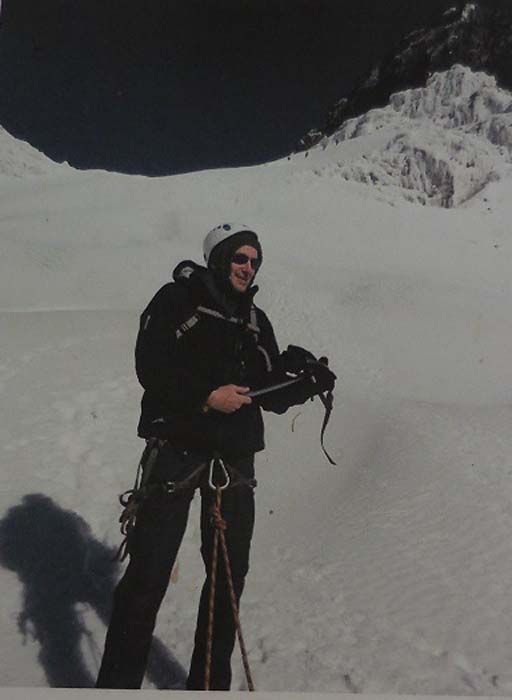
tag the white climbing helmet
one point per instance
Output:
(219, 234)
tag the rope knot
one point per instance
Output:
(217, 520)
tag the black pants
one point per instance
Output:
(154, 546)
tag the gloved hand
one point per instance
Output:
(323, 378)
(297, 360)
(294, 359)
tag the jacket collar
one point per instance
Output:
(201, 280)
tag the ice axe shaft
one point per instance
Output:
(274, 387)
(289, 382)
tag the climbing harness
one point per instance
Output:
(132, 499)
(220, 527)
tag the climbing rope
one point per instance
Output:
(220, 526)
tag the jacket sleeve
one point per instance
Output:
(281, 400)
(156, 360)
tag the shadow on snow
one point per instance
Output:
(63, 568)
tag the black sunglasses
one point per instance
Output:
(243, 259)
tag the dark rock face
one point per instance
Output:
(475, 34)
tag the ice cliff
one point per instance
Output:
(439, 144)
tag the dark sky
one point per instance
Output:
(160, 87)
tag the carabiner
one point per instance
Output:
(226, 474)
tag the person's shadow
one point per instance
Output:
(63, 567)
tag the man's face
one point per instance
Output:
(242, 273)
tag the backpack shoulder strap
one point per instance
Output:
(253, 323)
(200, 310)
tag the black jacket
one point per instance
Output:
(183, 354)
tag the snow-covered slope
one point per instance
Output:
(20, 159)
(439, 144)
(388, 573)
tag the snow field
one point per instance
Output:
(388, 573)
